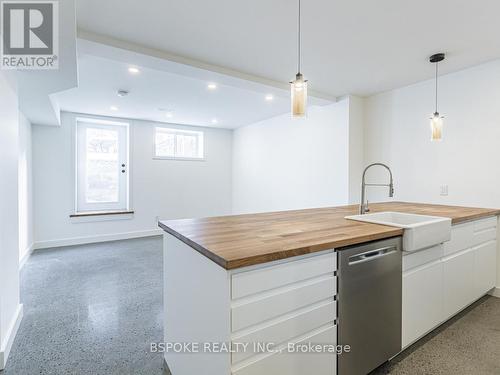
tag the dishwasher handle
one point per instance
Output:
(371, 255)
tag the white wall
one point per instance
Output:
(356, 147)
(165, 188)
(397, 132)
(282, 163)
(25, 188)
(467, 160)
(9, 221)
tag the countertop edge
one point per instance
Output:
(285, 254)
(237, 263)
(279, 255)
(210, 255)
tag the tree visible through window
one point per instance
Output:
(102, 166)
(178, 144)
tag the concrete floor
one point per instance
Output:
(91, 309)
(465, 345)
(95, 309)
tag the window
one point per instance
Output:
(101, 166)
(178, 144)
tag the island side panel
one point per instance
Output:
(196, 300)
(496, 292)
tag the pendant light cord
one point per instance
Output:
(436, 87)
(298, 39)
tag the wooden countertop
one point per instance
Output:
(245, 240)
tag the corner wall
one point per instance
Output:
(25, 189)
(10, 309)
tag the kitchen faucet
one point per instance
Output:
(363, 208)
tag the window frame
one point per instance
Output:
(124, 201)
(200, 135)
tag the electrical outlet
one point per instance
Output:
(444, 190)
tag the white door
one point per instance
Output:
(458, 281)
(102, 167)
(422, 301)
(485, 267)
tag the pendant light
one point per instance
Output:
(436, 119)
(299, 85)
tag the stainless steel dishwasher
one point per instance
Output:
(369, 305)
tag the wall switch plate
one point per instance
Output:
(444, 190)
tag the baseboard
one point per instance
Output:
(10, 336)
(94, 239)
(495, 292)
(26, 255)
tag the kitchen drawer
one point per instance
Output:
(480, 225)
(459, 284)
(422, 301)
(278, 302)
(280, 331)
(461, 238)
(485, 270)
(421, 257)
(484, 235)
(266, 278)
(288, 363)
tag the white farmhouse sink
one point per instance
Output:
(420, 231)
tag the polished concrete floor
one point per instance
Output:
(468, 344)
(95, 309)
(91, 309)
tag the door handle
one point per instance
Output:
(371, 255)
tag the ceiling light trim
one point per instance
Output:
(164, 55)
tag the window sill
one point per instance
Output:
(94, 216)
(100, 213)
(177, 158)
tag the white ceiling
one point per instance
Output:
(349, 46)
(164, 86)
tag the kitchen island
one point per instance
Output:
(272, 278)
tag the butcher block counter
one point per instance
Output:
(245, 240)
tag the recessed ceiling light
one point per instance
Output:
(269, 97)
(113, 108)
(133, 70)
(214, 121)
(169, 114)
(212, 86)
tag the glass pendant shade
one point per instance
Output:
(436, 127)
(299, 96)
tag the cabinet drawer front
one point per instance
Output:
(461, 238)
(287, 363)
(266, 278)
(422, 301)
(458, 282)
(271, 305)
(483, 224)
(485, 271)
(483, 236)
(285, 329)
(419, 258)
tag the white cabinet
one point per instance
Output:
(257, 309)
(290, 363)
(458, 281)
(440, 281)
(422, 301)
(485, 267)
(284, 303)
